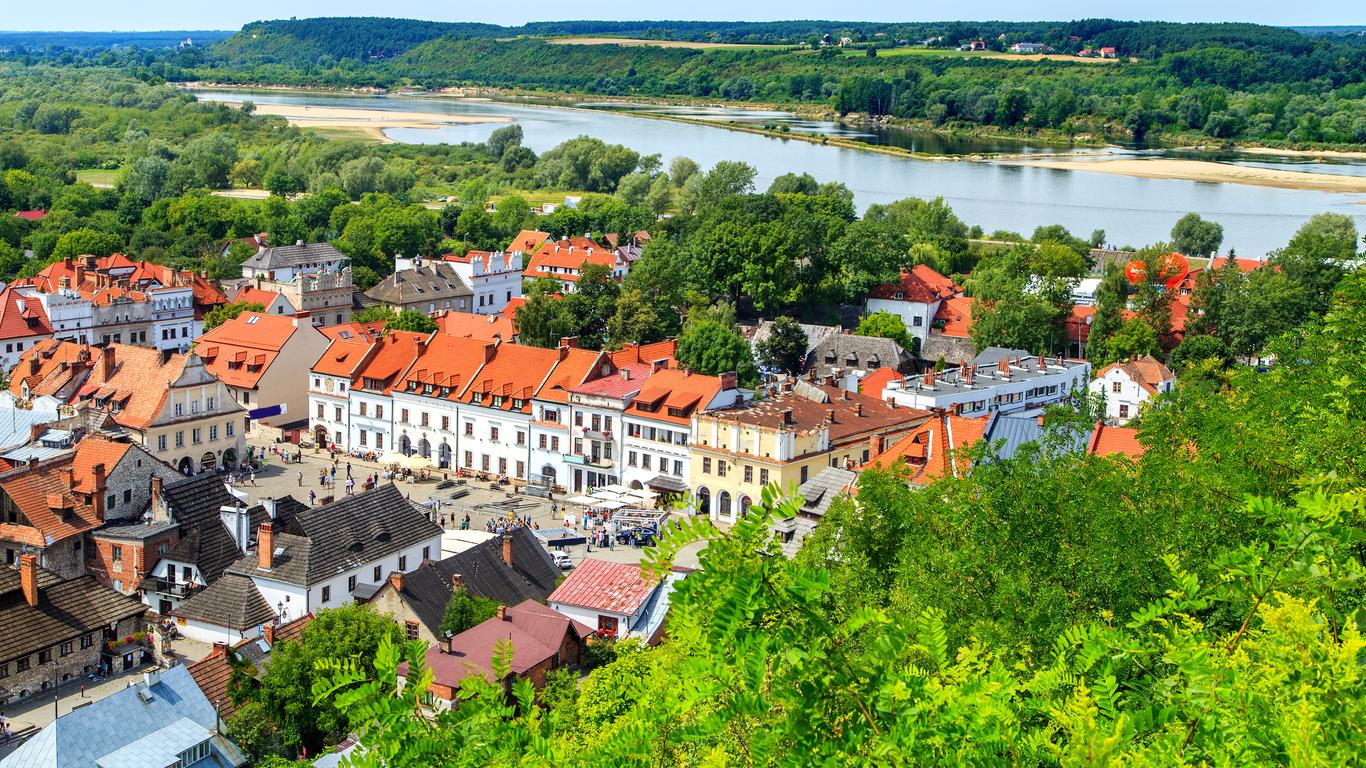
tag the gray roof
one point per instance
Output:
(293, 256)
(1007, 433)
(429, 282)
(817, 494)
(66, 610)
(954, 349)
(865, 352)
(156, 717)
(348, 533)
(232, 601)
(994, 355)
(16, 423)
(815, 334)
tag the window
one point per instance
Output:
(521, 437)
(65, 649)
(597, 422)
(493, 433)
(362, 437)
(379, 411)
(720, 468)
(423, 418)
(1116, 387)
(4, 671)
(351, 584)
(484, 462)
(678, 467)
(521, 473)
(469, 460)
(554, 443)
(706, 466)
(469, 429)
(445, 423)
(375, 575)
(320, 410)
(179, 409)
(578, 418)
(607, 624)
(336, 413)
(763, 476)
(426, 553)
(540, 442)
(116, 556)
(411, 628)
(161, 442)
(197, 435)
(22, 665)
(87, 641)
(229, 429)
(379, 439)
(916, 321)
(403, 562)
(327, 594)
(128, 496)
(1124, 411)
(630, 458)
(644, 460)
(213, 432)
(364, 408)
(502, 466)
(803, 474)
(194, 754)
(45, 656)
(180, 439)
(749, 474)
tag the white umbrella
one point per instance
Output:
(415, 461)
(615, 488)
(644, 495)
(611, 505)
(392, 457)
(602, 495)
(587, 501)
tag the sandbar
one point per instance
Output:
(1346, 155)
(371, 122)
(1201, 170)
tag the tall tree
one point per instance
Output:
(784, 349)
(1194, 236)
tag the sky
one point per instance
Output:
(190, 14)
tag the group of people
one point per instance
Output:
(6, 733)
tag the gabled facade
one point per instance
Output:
(423, 287)
(264, 361)
(494, 278)
(23, 323)
(283, 263)
(658, 426)
(1129, 385)
(915, 298)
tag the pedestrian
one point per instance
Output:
(322, 478)
(350, 485)
(312, 497)
(348, 469)
(301, 478)
(253, 476)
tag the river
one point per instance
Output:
(998, 196)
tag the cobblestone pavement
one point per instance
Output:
(280, 479)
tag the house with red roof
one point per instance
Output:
(272, 302)
(35, 215)
(23, 323)
(563, 261)
(485, 327)
(875, 382)
(1114, 441)
(658, 424)
(915, 297)
(264, 361)
(616, 599)
(370, 402)
(542, 641)
(494, 278)
(1129, 384)
(943, 445)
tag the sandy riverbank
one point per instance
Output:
(1326, 153)
(370, 122)
(1200, 170)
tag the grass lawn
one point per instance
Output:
(539, 196)
(347, 133)
(97, 177)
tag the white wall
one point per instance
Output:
(211, 633)
(590, 617)
(1130, 394)
(915, 315)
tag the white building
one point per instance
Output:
(494, 277)
(657, 424)
(283, 263)
(370, 418)
(72, 316)
(173, 322)
(329, 390)
(915, 298)
(998, 381)
(23, 323)
(1128, 385)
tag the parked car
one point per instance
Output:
(562, 559)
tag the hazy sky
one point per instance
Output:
(192, 14)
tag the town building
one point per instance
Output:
(424, 287)
(371, 415)
(23, 323)
(815, 334)
(56, 629)
(494, 278)
(272, 302)
(70, 314)
(510, 569)
(915, 298)
(658, 426)
(168, 403)
(330, 378)
(1128, 385)
(318, 558)
(847, 358)
(281, 264)
(486, 327)
(564, 260)
(264, 362)
(542, 641)
(950, 337)
(214, 673)
(160, 720)
(325, 293)
(616, 599)
(941, 447)
(1108, 440)
(787, 438)
(998, 380)
(1031, 48)
(816, 494)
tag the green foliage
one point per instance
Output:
(380, 313)
(412, 320)
(711, 347)
(585, 163)
(464, 611)
(1194, 236)
(1133, 338)
(784, 349)
(542, 321)
(888, 326)
(225, 312)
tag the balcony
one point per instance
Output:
(173, 588)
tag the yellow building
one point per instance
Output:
(787, 438)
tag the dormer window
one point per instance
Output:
(477, 398)
(497, 401)
(426, 389)
(899, 295)
(252, 320)
(518, 403)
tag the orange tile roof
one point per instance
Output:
(140, 378)
(646, 353)
(43, 493)
(675, 388)
(241, 350)
(369, 331)
(470, 325)
(1109, 441)
(343, 357)
(575, 369)
(528, 241)
(934, 449)
(395, 352)
(515, 371)
(90, 452)
(444, 361)
(956, 314)
(250, 294)
(1243, 265)
(569, 254)
(514, 304)
(21, 317)
(921, 284)
(1147, 371)
(875, 382)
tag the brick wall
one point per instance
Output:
(137, 559)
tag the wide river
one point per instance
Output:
(1132, 211)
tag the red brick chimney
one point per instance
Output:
(265, 546)
(268, 632)
(396, 578)
(503, 613)
(107, 363)
(874, 446)
(507, 549)
(28, 578)
(97, 493)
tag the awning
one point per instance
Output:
(668, 484)
(587, 501)
(642, 495)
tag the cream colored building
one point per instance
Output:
(787, 438)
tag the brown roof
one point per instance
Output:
(535, 632)
(854, 415)
(43, 493)
(66, 610)
(934, 449)
(1147, 371)
(1109, 441)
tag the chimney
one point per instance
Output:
(929, 378)
(490, 352)
(97, 493)
(457, 582)
(571, 342)
(107, 363)
(28, 578)
(36, 431)
(625, 374)
(269, 506)
(858, 409)
(874, 446)
(265, 546)
(830, 415)
(503, 613)
(301, 319)
(507, 549)
(787, 415)
(268, 632)
(97, 473)
(422, 342)
(729, 380)
(299, 243)
(396, 578)
(160, 514)
(34, 366)
(219, 649)
(68, 476)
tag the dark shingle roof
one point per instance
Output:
(426, 283)
(854, 351)
(205, 541)
(293, 255)
(426, 592)
(66, 610)
(232, 601)
(343, 535)
(533, 574)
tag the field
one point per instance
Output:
(630, 41)
(98, 177)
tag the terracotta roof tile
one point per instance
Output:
(1109, 441)
(875, 382)
(470, 325)
(21, 316)
(343, 357)
(681, 390)
(934, 449)
(528, 241)
(921, 284)
(603, 586)
(1147, 371)
(569, 254)
(956, 315)
(246, 346)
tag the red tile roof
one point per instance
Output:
(514, 304)
(934, 449)
(603, 586)
(1147, 371)
(1109, 441)
(21, 317)
(569, 254)
(470, 325)
(528, 241)
(515, 372)
(1243, 265)
(875, 382)
(343, 357)
(250, 294)
(956, 315)
(921, 284)
(535, 632)
(646, 353)
(683, 391)
(576, 368)
(37, 215)
(241, 350)
(368, 331)
(90, 452)
(139, 380)
(396, 352)
(44, 495)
